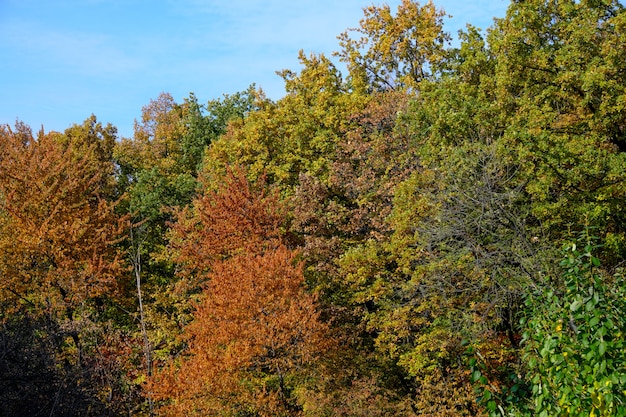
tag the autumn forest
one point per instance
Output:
(438, 230)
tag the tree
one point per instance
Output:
(562, 85)
(294, 135)
(57, 230)
(205, 124)
(158, 167)
(255, 327)
(329, 219)
(573, 338)
(452, 250)
(394, 52)
(157, 173)
(60, 270)
(98, 140)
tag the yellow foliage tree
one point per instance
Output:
(395, 51)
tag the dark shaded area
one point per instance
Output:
(37, 378)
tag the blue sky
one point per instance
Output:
(62, 60)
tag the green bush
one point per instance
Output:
(573, 343)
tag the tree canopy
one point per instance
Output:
(438, 231)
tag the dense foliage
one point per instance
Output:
(440, 231)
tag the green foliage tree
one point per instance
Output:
(457, 248)
(561, 82)
(294, 135)
(206, 123)
(158, 167)
(573, 339)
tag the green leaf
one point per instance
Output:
(476, 375)
(487, 395)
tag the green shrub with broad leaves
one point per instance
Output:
(573, 343)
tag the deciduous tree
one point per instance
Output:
(562, 82)
(255, 327)
(394, 52)
(60, 269)
(57, 232)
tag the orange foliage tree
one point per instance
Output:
(56, 230)
(256, 328)
(58, 267)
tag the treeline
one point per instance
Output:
(438, 232)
